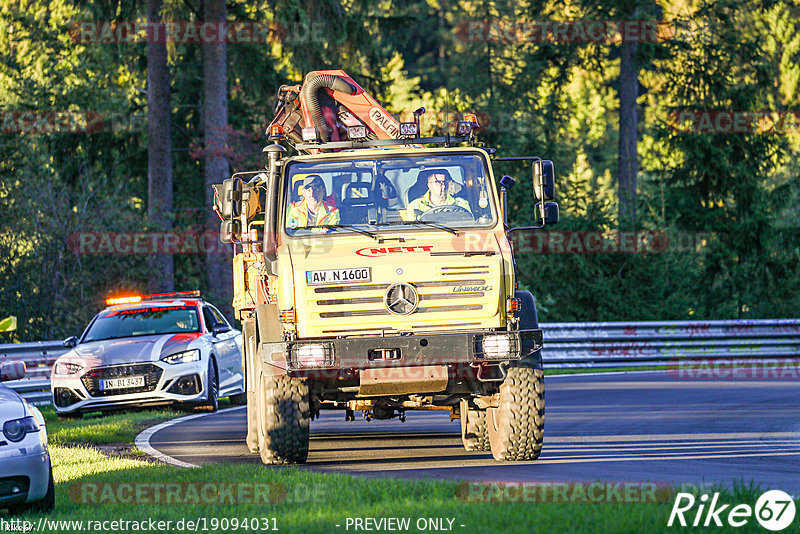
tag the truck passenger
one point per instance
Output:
(312, 210)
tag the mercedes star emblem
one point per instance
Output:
(401, 299)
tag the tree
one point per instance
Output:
(628, 133)
(159, 152)
(215, 132)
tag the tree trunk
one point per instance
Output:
(219, 270)
(628, 131)
(159, 154)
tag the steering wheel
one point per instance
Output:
(454, 211)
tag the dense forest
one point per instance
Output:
(674, 127)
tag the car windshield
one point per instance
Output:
(437, 191)
(111, 324)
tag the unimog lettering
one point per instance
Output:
(471, 289)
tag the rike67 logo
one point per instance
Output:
(774, 510)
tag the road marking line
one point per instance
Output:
(678, 454)
(474, 461)
(143, 439)
(633, 448)
(673, 437)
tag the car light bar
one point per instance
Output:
(123, 300)
(159, 296)
(139, 298)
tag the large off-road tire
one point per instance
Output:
(516, 426)
(284, 420)
(474, 434)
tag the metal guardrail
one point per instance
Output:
(566, 345)
(39, 358)
(577, 345)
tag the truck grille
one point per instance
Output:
(152, 374)
(431, 293)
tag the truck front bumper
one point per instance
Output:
(342, 355)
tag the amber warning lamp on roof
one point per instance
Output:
(132, 299)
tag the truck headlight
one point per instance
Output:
(17, 429)
(182, 357)
(67, 368)
(313, 355)
(499, 347)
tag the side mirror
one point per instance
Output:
(231, 193)
(70, 342)
(219, 328)
(12, 371)
(550, 212)
(230, 231)
(544, 180)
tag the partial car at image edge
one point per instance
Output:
(26, 473)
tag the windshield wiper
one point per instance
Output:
(421, 222)
(350, 226)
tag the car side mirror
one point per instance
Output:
(231, 202)
(544, 180)
(12, 371)
(219, 328)
(550, 212)
(70, 342)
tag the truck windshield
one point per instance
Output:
(111, 324)
(437, 191)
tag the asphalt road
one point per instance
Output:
(638, 427)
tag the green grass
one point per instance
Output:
(91, 486)
(98, 428)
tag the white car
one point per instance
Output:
(147, 351)
(26, 475)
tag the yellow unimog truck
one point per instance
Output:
(397, 291)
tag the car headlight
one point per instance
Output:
(496, 347)
(312, 355)
(182, 357)
(17, 429)
(67, 368)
